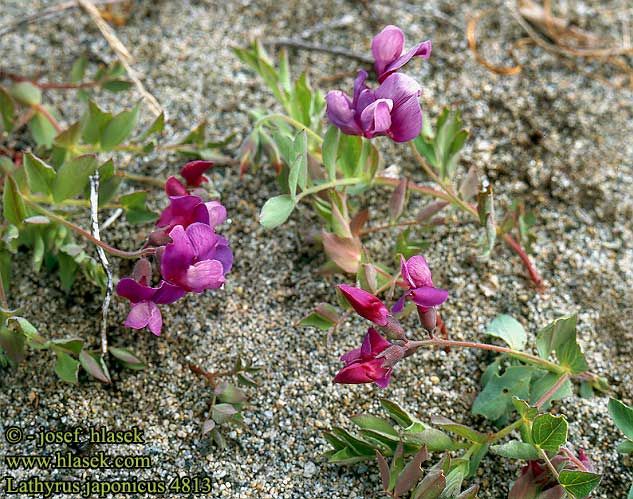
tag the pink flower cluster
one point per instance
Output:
(374, 361)
(190, 255)
(393, 108)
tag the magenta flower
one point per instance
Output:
(193, 173)
(387, 48)
(144, 299)
(196, 259)
(392, 109)
(362, 364)
(423, 293)
(366, 304)
(186, 210)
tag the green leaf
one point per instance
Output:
(397, 413)
(527, 412)
(95, 366)
(299, 165)
(360, 447)
(434, 439)
(459, 429)
(12, 203)
(349, 151)
(136, 210)
(495, 400)
(431, 486)
(329, 150)
(515, 449)
(117, 130)
(221, 413)
(26, 93)
(42, 129)
(7, 109)
(39, 175)
(579, 483)
(376, 425)
(560, 337)
(324, 317)
(126, 356)
(70, 136)
(229, 394)
(276, 211)
(541, 385)
(622, 416)
(346, 456)
(73, 176)
(73, 345)
(67, 270)
(12, 342)
(509, 330)
(94, 122)
(78, 70)
(549, 432)
(117, 85)
(66, 367)
(625, 446)
(157, 126)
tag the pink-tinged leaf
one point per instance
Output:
(411, 473)
(470, 184)
(398, 199)
(340, 222)
(431, 486)
(359, 221)
(469, 493)
(368, 277)
(344, 252)
(431, 209)
(94, 366)
(384, 470)
(207, 426)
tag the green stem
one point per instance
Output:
(328, 185)
(293, 122)
(525, 357)
(142, 179)
(506, 431)
(549, 464)
(68, 202)
(88, 235)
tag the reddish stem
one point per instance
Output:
(42, 110)
(534, 275)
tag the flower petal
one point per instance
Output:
(177, 256)
(182, 211)
(203, 240)
(207, 274)
(365, 304)
(384, 381)
(406, 116)
(145, 314)
(351, 356)
(399, 305)
(416, 271)
(386, 47)
(428, 296)
(193, 172)
(420, 50)
(340, 112)
(174, 187)
(168, 293)
(133, 291)
(223, 254)
(376, 341)
(376, 118)
(217, 213)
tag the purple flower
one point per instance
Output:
(144, 299)
(362, 364)
(196, 259)
(365, 304)
(423, 293)
(186, 210)
(387, 48)
(392, 109)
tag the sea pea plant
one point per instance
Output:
(66, 174)
(330, 168)
(518, 387)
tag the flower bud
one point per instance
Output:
(392, 355)
(365, 304)
(428, 318)
(393, 329)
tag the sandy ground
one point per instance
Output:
(552, 137)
